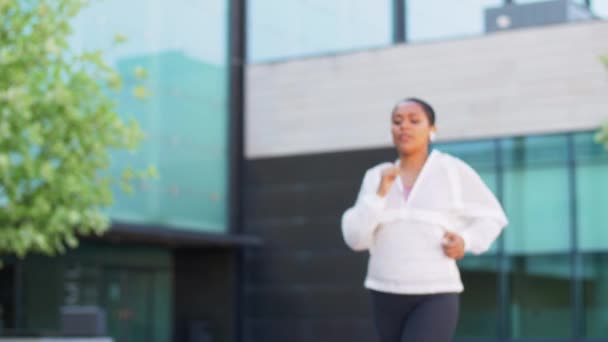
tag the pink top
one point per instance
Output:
(406, 191)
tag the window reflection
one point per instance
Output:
(455, 19)
(288, 29)
(182, 45)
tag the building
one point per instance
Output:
(167, 269)
(240, 240)
(518, 92)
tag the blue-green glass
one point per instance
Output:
(182, 45)
(479, 307)
(117, 279)
(431, 20)
(591, 194)
(540, 296)
(289, 29)
(592, 219)
(536, 197)
(595, 299)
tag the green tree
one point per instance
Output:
(58, 125)
(602, 135)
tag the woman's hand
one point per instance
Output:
(453, 246)
(388, 178)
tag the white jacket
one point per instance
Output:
(404, 237)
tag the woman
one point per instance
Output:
(416, 217)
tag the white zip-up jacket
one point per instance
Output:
(404, 237)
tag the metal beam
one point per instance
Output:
(399, 34)
(502, 261)
(237, 57)
(576, 290)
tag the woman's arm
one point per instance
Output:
(479, 207)
(477, 239)
(360, 221)
(480, 234)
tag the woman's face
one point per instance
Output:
(411, 128)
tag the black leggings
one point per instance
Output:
(415, 318)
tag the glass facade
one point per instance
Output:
(424, 22)
(600, 8)
(540, 303)
(288, 29)
(533, 168)
(591, 195)
(552, 260)
(279, 30)
(132, 285)
(537, 242)
(592, 220)
(182, 45)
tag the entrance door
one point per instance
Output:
(128, 299)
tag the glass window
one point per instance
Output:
(540, 296)
(591, 194)
(600, 8)
(595, 301)
(455, 19)
(132, 281)
(537, 241)
(479, 307)
(183, 47)
(592, 220)
(536, 197)
(287, 29)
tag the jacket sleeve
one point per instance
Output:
(477, 204)
(480, 234)
(360, 221)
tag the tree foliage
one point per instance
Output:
(58, 125)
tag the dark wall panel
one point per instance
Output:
(204, 294)
(315, 168)
(304, 284)
(7, 297)
(306, 268)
